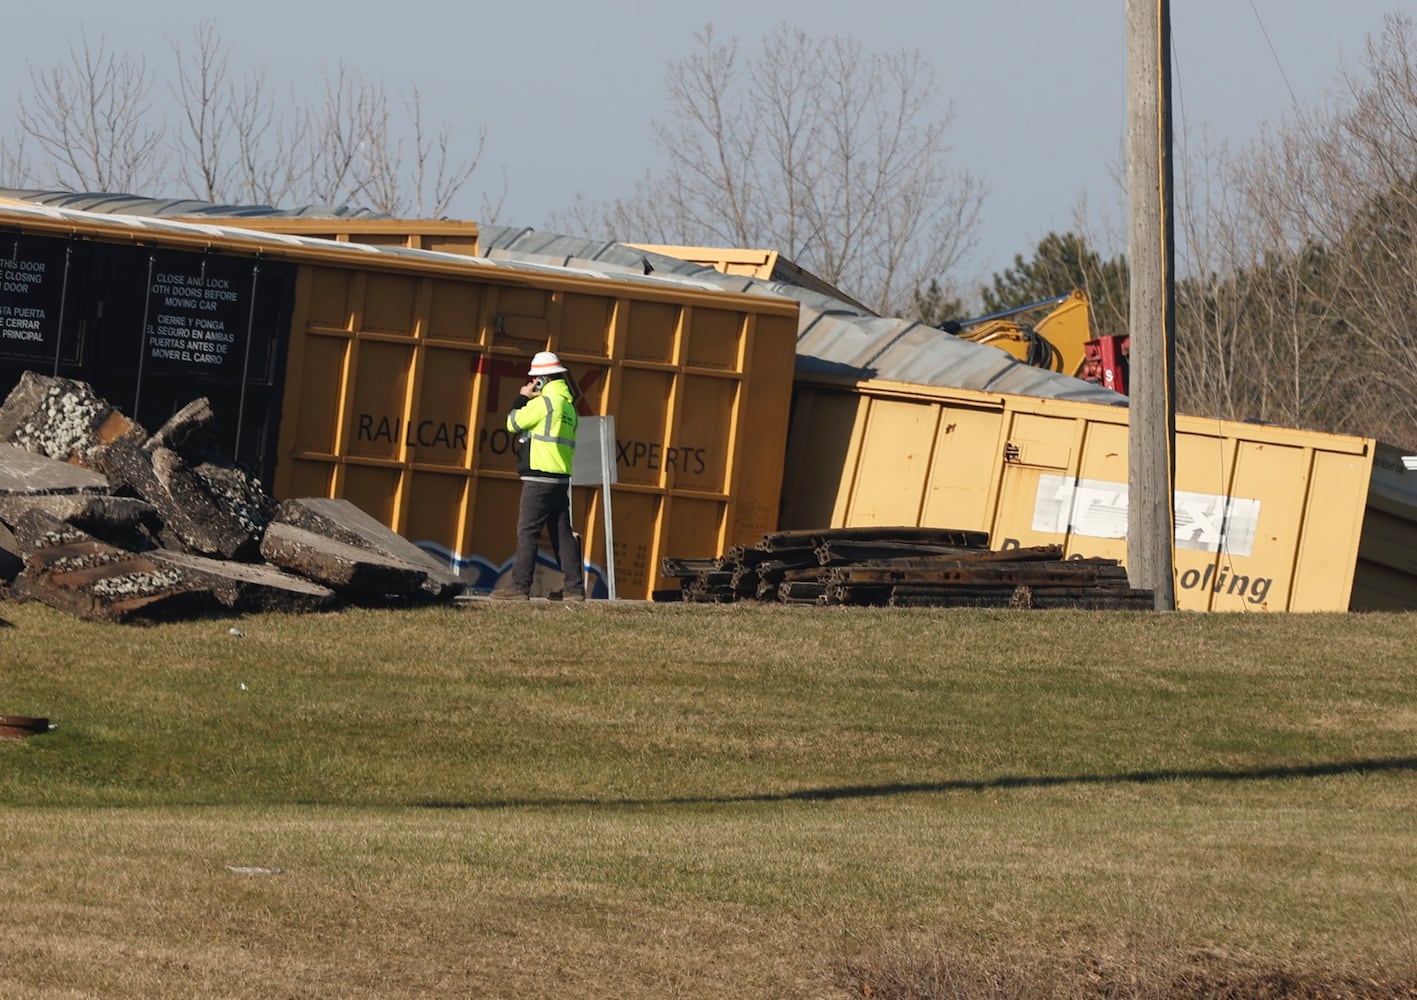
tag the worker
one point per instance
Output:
(544, 420)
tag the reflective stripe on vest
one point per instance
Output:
(550, 449)
(546, 434)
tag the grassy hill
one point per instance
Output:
(699, 801)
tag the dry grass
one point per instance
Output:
(1134, 972)
(699, 802)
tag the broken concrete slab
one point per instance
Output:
(126, 522)
(35, 529)
(344, 522)
(62, 418)
(358, 574)
(74, 572)
(26, 473)
(238, 492)
(193, 519)
(99, 514)
(100, 520)
(191, 431)
(250, 587)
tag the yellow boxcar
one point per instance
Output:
(1267, 518)
(399, 384)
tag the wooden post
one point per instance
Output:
(1151, 452)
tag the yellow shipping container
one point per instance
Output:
(399, 384)
(1267, 518)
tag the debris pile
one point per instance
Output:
(102, 520)
(904, 567)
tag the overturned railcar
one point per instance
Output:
(382, 374)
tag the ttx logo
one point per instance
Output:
(498, 373)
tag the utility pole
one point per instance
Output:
(1151, 438)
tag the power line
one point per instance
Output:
(1278, 64)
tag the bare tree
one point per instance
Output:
(436, 177)
(202, 88)
(356, 152)
(230, 138)
(266, 166)
(1210, 365)
(91, 124)
(428, 183)
(1369, 171)
(340, 130)
(92, 120)
(1244, 341)
(1304, 269)
(14, 164)
(814, 148)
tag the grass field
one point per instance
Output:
(695, 801)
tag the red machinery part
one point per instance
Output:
(1105, 362)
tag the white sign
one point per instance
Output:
(593, 464)
(587, 465)
(1098, 509)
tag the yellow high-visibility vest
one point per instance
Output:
(548, 420)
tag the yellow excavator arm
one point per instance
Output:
(1056, 342)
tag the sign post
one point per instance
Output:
(595, 466)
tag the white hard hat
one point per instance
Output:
(545, 363)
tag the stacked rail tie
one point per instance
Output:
(903, 567)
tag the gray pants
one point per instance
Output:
(547, 505)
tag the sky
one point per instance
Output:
(568, 92)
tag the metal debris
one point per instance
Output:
(17, 727)
(904, 567)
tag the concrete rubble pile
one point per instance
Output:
(105, 521)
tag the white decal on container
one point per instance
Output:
(1098, 509)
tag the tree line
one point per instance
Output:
(96, 121)
(1297, 303)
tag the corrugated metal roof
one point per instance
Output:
(131, 204)
(834, 335)
(262, 241)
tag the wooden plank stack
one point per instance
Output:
(903, 567)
